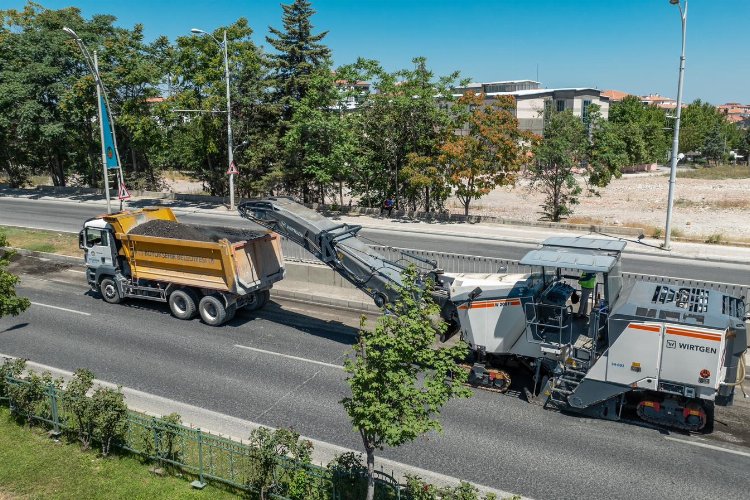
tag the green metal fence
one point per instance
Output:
(208, 457)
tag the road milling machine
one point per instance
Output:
(667, 350)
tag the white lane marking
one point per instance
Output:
(709, 446)
(61, 309)
(75, 271)
(321, 363)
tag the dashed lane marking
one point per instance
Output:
(288, 356)
(709, 446)
(61, 309)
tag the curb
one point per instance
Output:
(333, 302)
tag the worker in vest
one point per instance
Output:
(587, 281)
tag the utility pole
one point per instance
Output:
(676, 138)
(101, 134)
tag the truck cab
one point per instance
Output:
(99, 245)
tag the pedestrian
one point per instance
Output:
(587, 282)
(388, 206)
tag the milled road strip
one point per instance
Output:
(289, 356)
(61, 309)
(708, 446)
(238, 429)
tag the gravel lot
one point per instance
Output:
(702, 208)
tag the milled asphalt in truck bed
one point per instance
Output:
(499, 441)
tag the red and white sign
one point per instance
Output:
(232, 169)
(122, 193)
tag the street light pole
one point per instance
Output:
(101, 133)
(676, 138)
(230, 148)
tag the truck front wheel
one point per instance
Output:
(109, 291)
(182, 304)
(212, 310)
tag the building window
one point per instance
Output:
(585, 110)
(560, 105)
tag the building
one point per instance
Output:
(659, 101)
(615, 95)
(355, 94)
(504, 86)
(532, 101)
(736, 113)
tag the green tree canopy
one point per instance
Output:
(398, 381)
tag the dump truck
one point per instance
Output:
(665, 349)
(211, 271)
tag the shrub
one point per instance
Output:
(110, 417)
(30, 397)
(78, 403)
(12, 368)
(715, 239)
(268, 447)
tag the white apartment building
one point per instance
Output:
(531, 101)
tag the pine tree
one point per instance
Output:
(300, 53)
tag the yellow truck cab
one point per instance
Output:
(213, 271)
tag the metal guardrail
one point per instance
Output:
(210, 457)
(461, 263)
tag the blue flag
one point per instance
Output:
(109, 141)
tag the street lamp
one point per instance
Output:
(101, 94)
(231, 168)
(676, 139)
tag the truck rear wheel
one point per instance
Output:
(212, 310)
(109, 291)
(257, 300)
(182, 304)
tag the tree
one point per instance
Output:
(10, 303)
(398, 381)
(198, 141)
(319, 143)
(488, 151)
(558, 154)
(714, 145)
(699, 119)
(643, 128)
(408, 115)
(595, 150)
(300, 54)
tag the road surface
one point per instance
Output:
(69, 216)
(248, 369)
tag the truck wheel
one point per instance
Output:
(182, 304)
(109, 291)
(256, 300)
(212, 310)
(264, 296)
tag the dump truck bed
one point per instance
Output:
(222, 259)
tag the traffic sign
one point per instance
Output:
(232, 169)
(122, 193)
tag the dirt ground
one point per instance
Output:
(702, 208)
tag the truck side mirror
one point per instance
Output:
(80, 241)
(475, 293)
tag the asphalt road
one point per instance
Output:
(499, 441)
(69, 216)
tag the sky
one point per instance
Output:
(627, 45)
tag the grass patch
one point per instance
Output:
(42, 241)
(720, 172)
(34, 466)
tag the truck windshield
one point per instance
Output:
(96, 237)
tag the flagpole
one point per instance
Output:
(101, 134)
